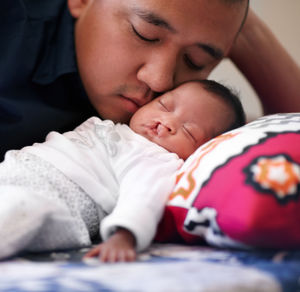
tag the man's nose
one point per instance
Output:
(158, 72)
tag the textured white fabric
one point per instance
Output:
(41, 209)
(126, 176)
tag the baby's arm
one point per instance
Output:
(119, 247)
(146, 176)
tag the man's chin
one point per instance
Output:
(122, 118)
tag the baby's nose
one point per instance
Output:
(165, 129)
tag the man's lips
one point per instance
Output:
(131, 104)
(140, 98)
(139, 101)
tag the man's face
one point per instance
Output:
(130, 50)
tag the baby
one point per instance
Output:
(56, 194)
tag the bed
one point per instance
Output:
(164, 267)
(231, 224)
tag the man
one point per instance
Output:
(126, 52)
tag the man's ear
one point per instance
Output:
(76, 7)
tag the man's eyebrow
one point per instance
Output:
(157, 20)
(153, 18)
(212, 50)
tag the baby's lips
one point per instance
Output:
(161, 130)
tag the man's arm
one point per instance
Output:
(266, 64)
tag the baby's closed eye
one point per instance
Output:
(189, 133)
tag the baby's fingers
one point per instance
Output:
(125, 256)
(116, 255)
(93, 252)
(109, 254)
(129, 255)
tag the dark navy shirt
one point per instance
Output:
(40, 89)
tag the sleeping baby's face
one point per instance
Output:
(182, 119)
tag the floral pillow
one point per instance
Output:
(241, 189)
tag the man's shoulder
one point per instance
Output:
(36, 35)
(16, 9)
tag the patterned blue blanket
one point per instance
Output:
(167, 267)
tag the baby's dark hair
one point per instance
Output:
(230, 98)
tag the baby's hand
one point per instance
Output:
(118, 248)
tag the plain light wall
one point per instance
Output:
(283, 17)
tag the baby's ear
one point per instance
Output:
(76, 7)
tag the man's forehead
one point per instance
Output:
(153, 18)
(160, 19)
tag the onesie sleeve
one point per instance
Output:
(144, 188)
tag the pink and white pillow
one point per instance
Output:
(241, 189)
